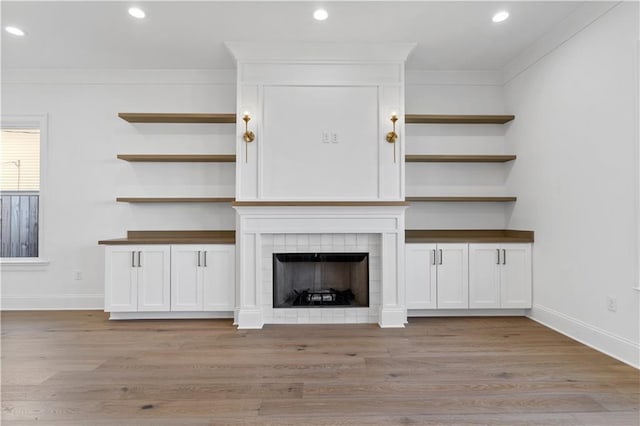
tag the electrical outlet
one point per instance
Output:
(77, 275)
(334, 138)
(326, 137)
(612, 303)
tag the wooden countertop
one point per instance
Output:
(467, 236)
(411, 236)
(174, 237)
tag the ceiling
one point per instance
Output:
(190, 35)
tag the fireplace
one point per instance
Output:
(317, 280)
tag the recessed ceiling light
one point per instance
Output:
(136, 12)
(500, 16)
(320, 15)
(14, 30)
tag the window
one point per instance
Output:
(20, 201)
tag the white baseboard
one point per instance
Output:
(617, 347)
(52, 302)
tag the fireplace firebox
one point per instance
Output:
(320, 280)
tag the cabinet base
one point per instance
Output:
(467, 313)
(169, 315)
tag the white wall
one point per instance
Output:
(84, 177)
(575, 176)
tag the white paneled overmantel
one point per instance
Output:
(320, 169)
(320, 113)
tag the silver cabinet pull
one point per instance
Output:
(498, 262)
(433, 262)
(139, 259)
(133, 259)
(198, 258)
(205, 258)
(504, 257)
(440, 256)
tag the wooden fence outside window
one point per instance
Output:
(19, 218)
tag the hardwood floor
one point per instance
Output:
(77, 368)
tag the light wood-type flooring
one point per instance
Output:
(78, 368)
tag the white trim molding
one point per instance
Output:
(319, 51)
(39, 121)
(584, 15)
(52, 302)
(601, 340)
(11, 264)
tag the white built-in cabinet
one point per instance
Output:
(162, 278)
(137, 278)
(500, 275)
(437, 276)
(202, 277)
(468, 276)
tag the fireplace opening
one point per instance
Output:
(320, 280)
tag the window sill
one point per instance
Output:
(24, 264)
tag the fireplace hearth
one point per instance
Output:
(320, 280)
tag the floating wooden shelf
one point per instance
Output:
(465, 199)
(459, 158)
(137, 117)
(179, 158)
(175, 199)
(457, 119)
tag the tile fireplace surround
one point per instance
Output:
(264, 230)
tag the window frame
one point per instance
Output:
(33, 121)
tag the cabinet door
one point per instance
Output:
(484, 275)
(154, 291)
(420, 276)
(186, 278)
(219, 277)
(453, 276)
(515, 276)
(120, 289)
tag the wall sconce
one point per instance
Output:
(248, 135)
(392, 136)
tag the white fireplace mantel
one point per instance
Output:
(255, 221)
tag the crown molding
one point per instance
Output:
(584, 15)
(300, 52)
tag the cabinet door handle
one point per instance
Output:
(133, 259)
(498, 262)
(139, 259)
(205, 258)
(433, 261)
(198, 258)
(440, 257)
(504, 257)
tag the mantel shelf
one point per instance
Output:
(456, 119)
(179, 158)
(175, 199)
(490, 199)
(136, 117)
(459, 158)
